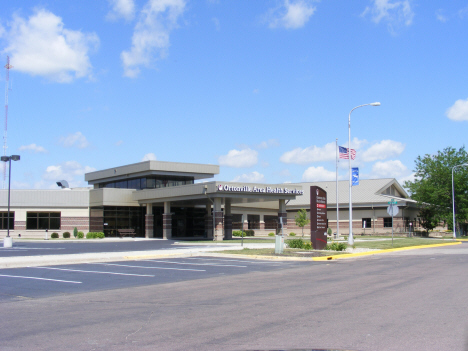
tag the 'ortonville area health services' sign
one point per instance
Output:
(267, 190)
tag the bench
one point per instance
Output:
(123, 232)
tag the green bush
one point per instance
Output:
(249, 232)
(295, 243)
(307, 245)
(80, 235)
(329, 231)
(237, 233)
(271, 234)
(292, 234)
(95, 235)
(66, 235)
(75, 232)
(54, 236)
(336, 246)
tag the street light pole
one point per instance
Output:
(350, 237)
(8, 241)
(453, 200)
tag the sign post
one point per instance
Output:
(318, 217)
(392, 210)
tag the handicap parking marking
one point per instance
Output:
(196, 264)
(144, 267)
(97, 272)
(37, 278)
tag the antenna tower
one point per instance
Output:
(7, 87)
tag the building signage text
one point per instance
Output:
(254, 189)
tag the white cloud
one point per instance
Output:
(268, 144)
(149, 157)
(78, 140)
(32, 147)
(463, 12)
(459, 111)
(382, 150)
(253, 177)
(151, 35)
(440, 16)
(216, 23)
(291, 15)
(310, 154)
(71, 171)
(410, 178)
(121, 9)
(389, 169)
(315, 174)
(40, 45)
(395, 13)
(239, 158)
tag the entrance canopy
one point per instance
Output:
(205, 193)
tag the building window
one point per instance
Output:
(4, 220)
(387, 222)
(42, 220)
(367, 223)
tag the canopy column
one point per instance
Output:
(282, 214)
(167, 221)
(227, 219)
(149, 221)
(219, 225)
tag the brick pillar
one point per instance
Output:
(167, 221)
(219, 225)
(262, 222)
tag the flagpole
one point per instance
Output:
(337, 205)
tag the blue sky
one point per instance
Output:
(263, 88)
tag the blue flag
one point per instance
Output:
(355, 176)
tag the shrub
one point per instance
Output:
(80, 235)
(66, 235)
(249, 232)
(75, 232)
(95, 235)
(329, 231)
(271, 234)
(307, 245)
(54, 236)
(292, 234)
(336, 246)
(295, 243)
(237, 233)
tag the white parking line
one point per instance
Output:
(176, 269)
(32, 248)
(196, 264)
(228, 260)
(52, 280)
(81, 271)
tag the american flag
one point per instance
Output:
(344, 153)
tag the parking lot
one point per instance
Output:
(46, 281)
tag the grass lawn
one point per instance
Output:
(401, 242)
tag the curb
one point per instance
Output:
(328, 258)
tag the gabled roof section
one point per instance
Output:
(369, 191)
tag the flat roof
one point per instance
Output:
(148, 168)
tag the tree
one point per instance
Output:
(432, 186)
(301, 219)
